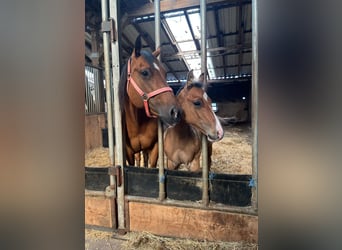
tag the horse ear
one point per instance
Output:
(137, 46)
(156, 53)
(190, 76)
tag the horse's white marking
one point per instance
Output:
(156, 66)
(205, 96)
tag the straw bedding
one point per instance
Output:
(148, 241)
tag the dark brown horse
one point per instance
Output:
(182, 142)
(144, 96)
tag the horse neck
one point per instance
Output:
(186, 129)
(134, 115)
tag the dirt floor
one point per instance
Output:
(96, 239)
(231, 155)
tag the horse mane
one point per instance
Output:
(122, 88)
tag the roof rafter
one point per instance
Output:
(171, 5)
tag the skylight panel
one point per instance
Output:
(179, 27)
(187, 46)
(195, 21)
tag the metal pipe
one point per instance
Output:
(160, 124)
(104, 12)
(255, 105)
(205, 167)
(114, 14)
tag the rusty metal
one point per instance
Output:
(109, 26)
(118, 170)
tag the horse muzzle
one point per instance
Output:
(218, 134)
(172, 116)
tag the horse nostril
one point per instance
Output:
(175, 113)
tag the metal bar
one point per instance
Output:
(104, 12)
(114, 14)
(205, 167)
(255, 104)
(160, 124)
(86, 93)
(96, 88)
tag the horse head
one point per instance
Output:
(147, 87)
(196, 105)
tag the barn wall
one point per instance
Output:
(192, 223)
(93, 133)
(237, 109)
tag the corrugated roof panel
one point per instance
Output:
(231, 71)
(131, 33)
(248, 37)
(247, 16)
(167, 50)
(247, 58)
(211, 24)
(230, 40)
(227, 19)
(246, 70)
(232, 60)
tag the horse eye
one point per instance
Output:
(145, 73)
(197, 103)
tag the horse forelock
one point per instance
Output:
(149, 57)
(195, 85)
(190, 86)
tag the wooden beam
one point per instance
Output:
(175, 5)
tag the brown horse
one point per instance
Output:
(144, 96)
(182, 142)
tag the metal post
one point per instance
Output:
(160, 124)
(114, 14)
(104, 11)
(254, 105)
(205, 167)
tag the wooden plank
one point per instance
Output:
(99, 211)
(192, 223)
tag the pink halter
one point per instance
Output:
(144, 96)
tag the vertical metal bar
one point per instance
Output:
(104, 12)
(86, 92)
(255, 104)
(98, 72)
(97, 96)
(160, 124)
(114, 14)
(205, 167)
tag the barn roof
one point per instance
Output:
(229, 35)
